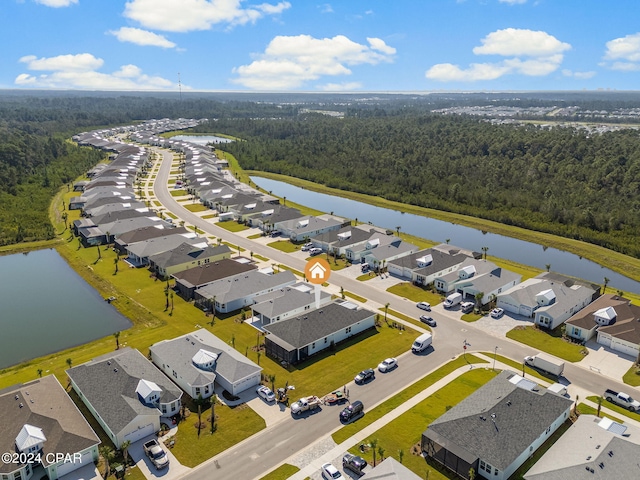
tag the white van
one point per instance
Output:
(421, 343)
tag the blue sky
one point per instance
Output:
(303, 45)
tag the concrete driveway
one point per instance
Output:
(605, 361)
(174, 471)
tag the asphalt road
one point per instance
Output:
(258, 454)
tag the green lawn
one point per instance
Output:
(632, 377)
(415, 293)
(281, 473)
(232, 226)
(585, 409)
(233, 426)
(254, 236)
(260, 257)
(365, 277)
(405, 432)
(337, 264)
(378, 412)
(283, 245)
(354, 296)
(179, 193)
(471, 317)
(233, 247)
(196, 207)
(404, 317)
(616, 408)
(295, 272)
(517, 367)
(547, 342)
(207, 217)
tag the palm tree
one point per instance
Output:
(381, 452)
(117, 337)
(99, 253)
(548, 266)
(64, 217)
(272, 379)
(108, 454)
(115, 262)
(40, 372)
(373, 443)
(124, 448)
(485, 250)
(171, 296)
(479, 296)
(398, 230)
(386, 308)
(213, 312)
(214, 399)
(606, 282)
(69, 362)
(447, 241)
(400, 455)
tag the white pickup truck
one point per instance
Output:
(304, 404)
(622, 399)
(156, 454)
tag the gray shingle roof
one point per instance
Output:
(109, 383)
(285, 300)
(521, 416)
(204, 274)
(316, 324)
(441, 261)
(230, 365)
(45, 405)
(185, 253)
(253, 282)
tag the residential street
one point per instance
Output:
(265, 450)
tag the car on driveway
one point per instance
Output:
(315, 251)
(156, 454)
(307, 247)
(497, 312)
(365, 376)
(329, 472)
(424, 306)
(265, 393)
(354, 463)
(387, 365)
(428, 320)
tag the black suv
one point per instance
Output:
(352, 411)
(354, 463)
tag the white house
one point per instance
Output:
(126, 394)
(549, 300)
(287, 302)
(199, 360)
(308, 227)
(40, 418)
(425, 266)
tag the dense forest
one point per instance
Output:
(556, 180)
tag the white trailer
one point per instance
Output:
(546, 363)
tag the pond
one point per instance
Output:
(48, 307)
(201, 139)
(526, 253)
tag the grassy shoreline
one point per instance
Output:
(623, 264)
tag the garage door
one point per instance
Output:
(140, 433)
(624, 348)
(65, 468)
(604, 340)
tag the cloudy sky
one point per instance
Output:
(303, 45)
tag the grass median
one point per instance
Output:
(547, 342)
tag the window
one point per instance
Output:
(164, 409)
(347, 330)
(17, 475)
(313, 345)
(206, 389)
(28, 469)
(325, 339)
(197, 390)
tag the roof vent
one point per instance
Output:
(21, 405)
(483, 418)
(601, 465)
(115, 370)
(611, 453)
(597, 447)
(16, 397)
(108, 362)
(588, 458)
(509, 403)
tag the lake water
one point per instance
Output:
(437, 230)
(201, 139)
(47, 307)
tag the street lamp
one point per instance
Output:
(495, 352)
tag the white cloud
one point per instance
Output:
(289, 62)
(623, 54)
(513, 2)
(529, 52)
(80, 72)
(578, 75)
(514, 42)
(188, 15)
(57, 3)
(326, 8)
(624, 66)
(340, 87)
(141, 37)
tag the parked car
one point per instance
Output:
(315, 251)
(365, 268)
(275, 233)
(467, 307)
(307, 247)
(355, 410)
(364, 376)
(354, 463)
(156, 454)
(265, 393)
(424, 306)
(428, 320)
(497, 312)
(387, 365)
(330, 472)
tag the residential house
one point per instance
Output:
(472, 277)
(269, 221)
(548, 299)
(425, 266)
(380, 256)
(294, 339)
(138, 254)
(234, 293)
(199, 360)
(338, 241)
(97, 234)
(495, 429)
(307, 227)
(286, 302)
(592, 448)
(186, 256)
(126, 394)
(39, 417)
(145, 233)
(390, 469)
(188, 281)
(603, 311)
